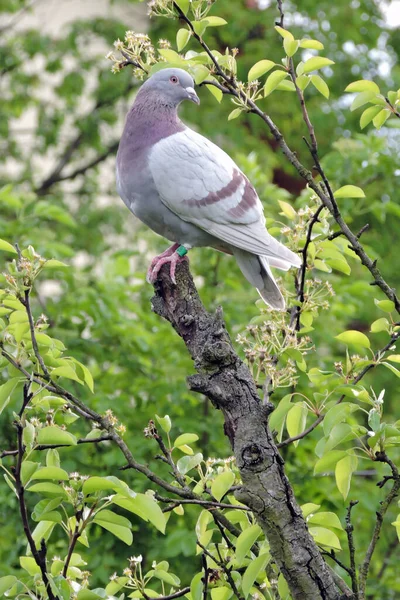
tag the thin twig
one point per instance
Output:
(350, 541)
(27, 304)
(207, 503)
(38, 555)
(385, 503)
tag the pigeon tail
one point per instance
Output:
(257, 272)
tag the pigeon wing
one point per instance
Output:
(201, 184)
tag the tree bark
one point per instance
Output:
(227, 382)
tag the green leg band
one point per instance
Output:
(181, 251)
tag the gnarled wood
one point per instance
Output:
(227, 382)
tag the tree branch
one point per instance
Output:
(350, 542)
(38, 555)
(227, 382)
(386, 502)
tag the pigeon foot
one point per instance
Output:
(171, 257)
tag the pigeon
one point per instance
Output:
(188, 190)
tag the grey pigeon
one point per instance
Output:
(190, 191)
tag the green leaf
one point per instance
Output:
(349, 191)
(85, 594)
(42, 531)
(309, 508)
(381, 118)
(165, 423)
(296, 420)
(221, 593)
(315, 63)
(200, 73)
(284, 33)
(234, 114)
(186, 463)
(363, 85)
(149, 507)
(385, 305)
(162, 575)
(215, 21)
(325, 537)
(260, 68)
(47, 488)
(252, 572)
(54, 264)
(343, 472)
(353, 337)
(245, 541)
(340, 433)
(286, 86)
(290, 46)
(339, 265)
(311, 44)
(326, 519)
(85, 374)
(182, 38)
(27, 470)
(51, 473)
(303, 81)
(221, 484)
(55, 435)
(5, 392)
(6, 583)
(273, 81)
(381, 324)
(287, 209)
(7, 247)
(394, 358)
(28, 563)
(337, 414)
(218, 95)
(97, 484)
(320, 85)
(361, 99)
(185, 438)
(115, 524)
(66, 371)
(184, 6)
(368, 115)
(196, 587)
(328, 462)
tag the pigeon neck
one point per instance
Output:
(151, 119)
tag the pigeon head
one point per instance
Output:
(172, 86)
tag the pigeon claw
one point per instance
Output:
(172, 258)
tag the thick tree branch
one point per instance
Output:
(227, 382)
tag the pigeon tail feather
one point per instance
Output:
(257, 272)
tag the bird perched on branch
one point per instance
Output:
(190, 191)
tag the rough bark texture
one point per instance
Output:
(227, 382)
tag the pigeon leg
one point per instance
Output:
(155, 260)
(173, 259)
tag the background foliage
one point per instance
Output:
(58, 195)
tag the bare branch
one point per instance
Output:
(352, 550)
(384, 505)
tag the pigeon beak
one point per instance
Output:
(191, 95)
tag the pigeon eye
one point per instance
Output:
(173, 79)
